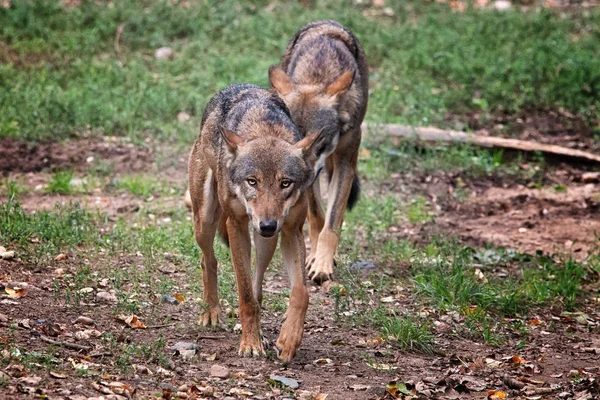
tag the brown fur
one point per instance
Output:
(249, 166)
(323, 79)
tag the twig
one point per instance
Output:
(65, 344)
(440, 135)
(118, 34)
(160, 326)
(211, 337)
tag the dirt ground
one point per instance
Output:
(336, 361)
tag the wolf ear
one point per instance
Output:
(341, 84)
(232, 139)
(279, 80)
(310, 141)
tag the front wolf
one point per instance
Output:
(247, 166)
(323, 79)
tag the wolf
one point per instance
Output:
(251, 166)
(323, 79)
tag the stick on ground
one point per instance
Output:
(431, 134)
(65, 344)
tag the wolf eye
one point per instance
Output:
(286, 183)
(251, 181)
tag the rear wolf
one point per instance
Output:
(251, 165)
(323, 79)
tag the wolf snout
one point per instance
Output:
(268, 227)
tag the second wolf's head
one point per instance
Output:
(315, 107)
(268, 175)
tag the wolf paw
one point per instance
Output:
(320, 271)
(252, 348)
(287, 345)
(211, 317)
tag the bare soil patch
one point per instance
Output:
(530, 220)
(79, 154)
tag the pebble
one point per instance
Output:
(291, 383)
(219, 371)
(163, 52)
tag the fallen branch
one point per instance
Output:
(160, 326)
(439, 135)
(65, 344)
(211, 337)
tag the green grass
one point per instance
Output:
(408, 334)
(61, 183)
(448, 280)
(62, 74)
(138, 185)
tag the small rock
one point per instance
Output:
(291, 383)
(89, 160)
(106, 297)
(30, 380)
(78, 182)
(167, 269)
(502, 5)
(164, 372)
(167, 298)
(351, 377)
(7, 255)
(3, 318)
(183, 117)
(185, 346)
(84, 320)
(389, 11)
(163, 52)
(4, 377)
(219, 371)
(81, 335)
(238, 327)
(362, 266)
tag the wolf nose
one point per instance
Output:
(268, 227)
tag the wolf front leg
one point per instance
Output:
(294, 253)
(239, 240)
(344, 161)
(316, 220)
(207, 212)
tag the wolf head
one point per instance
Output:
(268, 175)
(315, 108)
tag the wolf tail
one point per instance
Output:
(354, 193)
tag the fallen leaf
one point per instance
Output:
(84, 320)
(61, 257)
(359, 387)
(492, 395)
(133, 321)
(57, 375)
(399, 389)
(179, 297)
(382, 367)
(518, 360)
(16, 293)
